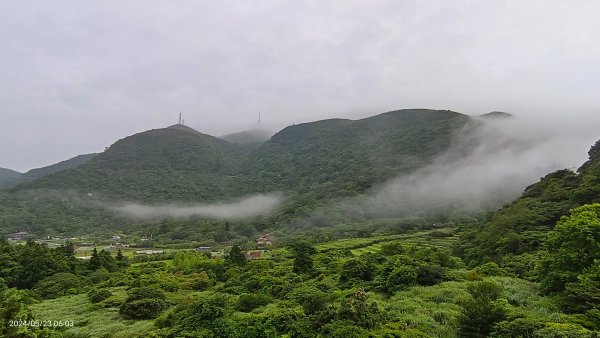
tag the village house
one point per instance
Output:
(19, 236)
(265, 240)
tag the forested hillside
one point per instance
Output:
(530, 269)
(345, 157)
(7, 176)
(176, 163)
(520, 227)
(36, 173)
(333, 157)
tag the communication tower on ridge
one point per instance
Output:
(179, 118)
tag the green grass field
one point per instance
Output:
(90, 319)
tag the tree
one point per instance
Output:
(483, 310)
(119, 257)
(143, 303)
(94, 263)
(356, 269)
(303, 262)
(67, 249)
(236, 256)
(571, 248)
(59, 284)
(357, 308)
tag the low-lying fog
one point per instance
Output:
(249, 206)
(506, 156)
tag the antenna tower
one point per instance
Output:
(179, 117)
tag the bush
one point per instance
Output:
(356, 269)
(201, 281)
(145, 293)
(429, 275)
(250, 301)
(483, 310)
(98, 295)
(142, 308)
(57, 285)
(143, 303)
(490, 269)
(401, 277)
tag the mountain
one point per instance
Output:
(521, 226)
(7, 177)
(497, 115)
(313, 163)
(34, 174)
(345, 157)
(73, 162)
(329, 158)
(248, 136)
(176, 162)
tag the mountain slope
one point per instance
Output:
(522, 225)
(7, 177)
(327, 159)
(248, 136)
(34, 174)
(170, 163)
(351, 155)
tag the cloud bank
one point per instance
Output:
(488, 165)
(246, 207)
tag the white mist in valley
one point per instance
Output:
(246, 207)
(486, 167)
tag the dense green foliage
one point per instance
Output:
(312, 163)
(530, 269)
(519, 228)
(7, 177)
(345, 295)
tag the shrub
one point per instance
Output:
(145, 293)
(490, 269)
(401, 277)
(98, 295)
(250, 301)
(429, 275)
(142, 308)
(143, 303)
(57, 285)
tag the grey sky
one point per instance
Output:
(78, 75)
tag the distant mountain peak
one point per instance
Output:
(248, 136)
(183, 127)
(497, 115)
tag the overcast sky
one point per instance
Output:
(78, 75)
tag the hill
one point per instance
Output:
(176, 162)
(349, 156)
(60, 166)
(326, 158)
(520, 227)
(248, 136)
(314, 164)
(34, 174)
(497, 115)
(7, 177)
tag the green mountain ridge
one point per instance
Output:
(36, 173)
(7, 176)
(521, 226)
(255, 136)
(344, 156)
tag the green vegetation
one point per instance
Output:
(312, 163)
(530, 269)
(7, 177)
(405, 290)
